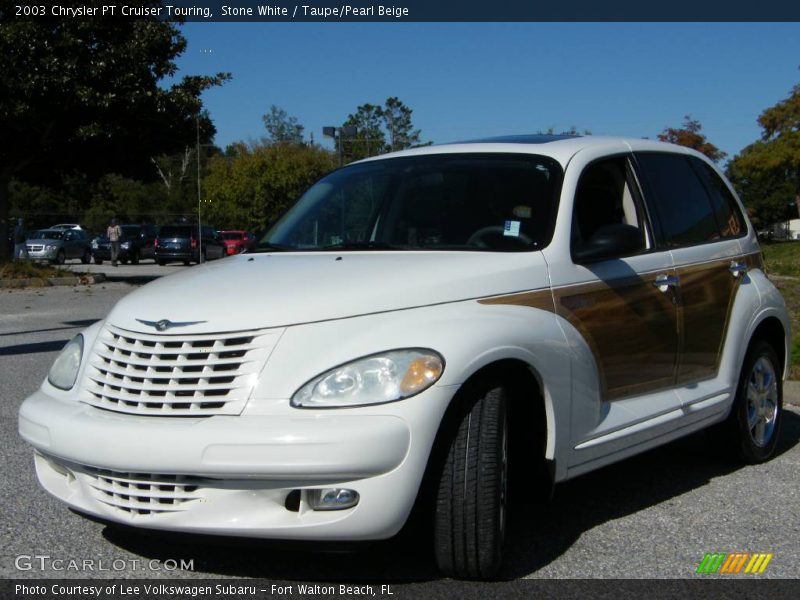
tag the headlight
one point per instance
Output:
(50, 247)
(375, 379)
(94, 245)
(65, 370)
(125, 245)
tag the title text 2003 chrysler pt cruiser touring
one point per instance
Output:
(432, 324)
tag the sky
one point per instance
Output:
(473, 80)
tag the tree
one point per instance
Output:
(689, 135)
(397, 121)
(767, 172)
(379, 129)
(250, 186)
(281, 127)
(370, 139)
(84, 96)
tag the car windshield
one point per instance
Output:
(232, 235)
(497, 202)
(47, 234)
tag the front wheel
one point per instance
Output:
(751, 431)
(86, 258)
(135, 257)
(60, 258)
(470, 518)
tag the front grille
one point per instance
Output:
(176, 375)
(35, 248)
(142, 493)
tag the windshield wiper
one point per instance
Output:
(362, 246)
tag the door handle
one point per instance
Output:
(737, 268)
(664, 282)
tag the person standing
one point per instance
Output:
(114, 233)
(20, 237)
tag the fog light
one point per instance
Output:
(332, 499)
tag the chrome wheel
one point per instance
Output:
(762, 402)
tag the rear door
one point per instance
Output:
(698, 220)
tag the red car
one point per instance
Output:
(236, 241)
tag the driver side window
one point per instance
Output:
(607, 194)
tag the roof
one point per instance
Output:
(559, 147)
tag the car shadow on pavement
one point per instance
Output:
(538, 534)
(131, 279)
(33, 347)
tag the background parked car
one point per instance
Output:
(136, 243)
(179, 242)
(58, 245)
(237, 241)
(66, 226)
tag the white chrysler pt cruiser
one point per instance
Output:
(437, 327)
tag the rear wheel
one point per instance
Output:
(86, 258)
(470, 518)
(98, 261)
(161, 263)
(752, 429)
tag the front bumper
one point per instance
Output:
(42, 254)
(239, 470)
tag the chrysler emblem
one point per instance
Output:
(165, 324)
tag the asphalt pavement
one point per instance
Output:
(652, 516)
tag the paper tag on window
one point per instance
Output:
(511, 228)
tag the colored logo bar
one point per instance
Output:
(734, 563)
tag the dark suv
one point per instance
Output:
(136, 244)
(179, 243)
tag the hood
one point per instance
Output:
(51, 241)
(250, 291)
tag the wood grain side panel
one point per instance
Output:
(707, 292)
(631, 328)
(541, 299)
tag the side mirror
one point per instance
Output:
(610, 241)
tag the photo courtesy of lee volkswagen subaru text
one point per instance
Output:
(444, 326)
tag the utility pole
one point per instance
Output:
(199, 226)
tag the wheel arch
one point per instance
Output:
(771, 330)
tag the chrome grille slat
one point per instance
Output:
(175, 375)
(165, 363)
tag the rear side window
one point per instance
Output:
(729, 218)
(679, 198)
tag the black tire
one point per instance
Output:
(187, 262)
(60, 258)
(469, 522)
(160, 262)
(98, 261)
(86, 258)
(135, 257)
(124, 260)
(752, 429)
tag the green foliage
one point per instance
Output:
(689, 135)
(782, 258)
(380, 129)
(87, 96)
(767, 172)
(281, 127)
(252, 185)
